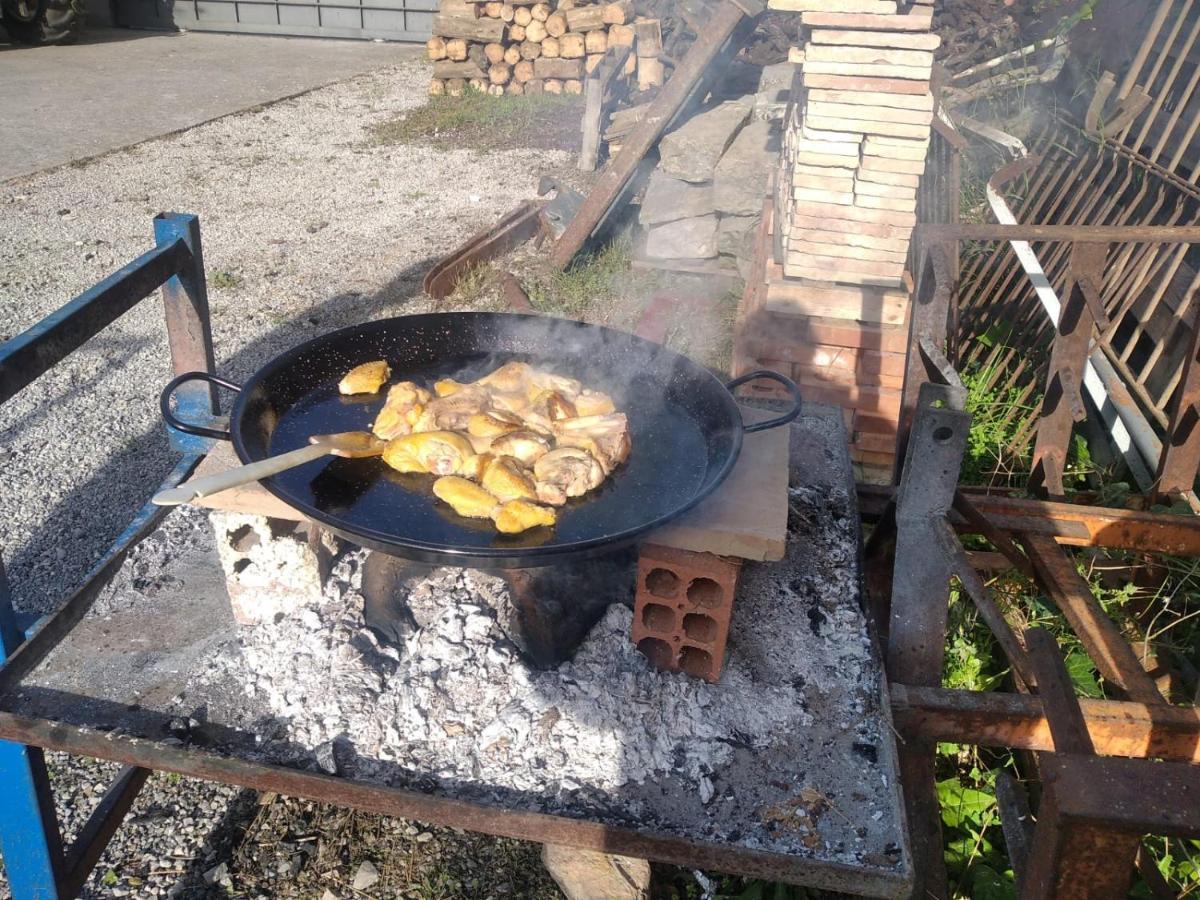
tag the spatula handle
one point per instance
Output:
(221, 481)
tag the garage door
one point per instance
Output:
(393, 20)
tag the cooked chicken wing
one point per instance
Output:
(594, 403)
(527, 447)
(365, 379)
(605, 437)
(509, 401)
(444, 387)
(504, 478)
(517, 516)
(454, 411)
(512, 376)
(547, 408)
(493, 424)
(545, 381)
(566, 472)
(466, 497)
(438, 452)
(403, 407)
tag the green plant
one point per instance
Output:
(224, 280)
(592, 284)
(499, 121)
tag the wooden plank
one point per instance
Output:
(922, 101)
(905, 40)
(855, 214)
(746, 516)
(858, 112)
(865, 83)
(873, 189)
(848, 238)
(870, 229)
(891, 164)
(818, 248)
(873, 56)
(896, 204)
(866, 7)
(919, 74)
(871, 126)
(830, 19)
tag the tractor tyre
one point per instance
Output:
(44, 21)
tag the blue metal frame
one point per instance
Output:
(34, 859)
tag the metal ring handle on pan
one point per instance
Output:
(788, 384)
(164, 404)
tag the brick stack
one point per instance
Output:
(832, 305)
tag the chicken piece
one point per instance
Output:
(605, 437)
(437, 452)
(546, 381)
(517, 516)
(509, 401)
(453, 412)
(547, 408)
(566, 472)
(365, 379)
(475, 466)
(527, 447)
(403, 407)
(504, 478)
(493, 424)
(465, 497)
(594, 403)
(444, 387)
(512, 376)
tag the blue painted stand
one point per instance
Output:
(34, 859)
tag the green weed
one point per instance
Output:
(502, 120)
(591, 285)
(224, 280)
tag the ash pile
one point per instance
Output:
(452, 705)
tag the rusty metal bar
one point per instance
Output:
(1066, 588)
(434, 809)
(1062, 404)
(1096, 234)
(1181, 447)
(1116, 727)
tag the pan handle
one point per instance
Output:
(164, 404)
(788, 384)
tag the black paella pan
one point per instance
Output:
(685, 428)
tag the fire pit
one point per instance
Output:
(785, 768)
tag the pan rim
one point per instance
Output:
(415, 548)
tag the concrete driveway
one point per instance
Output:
(120, 87)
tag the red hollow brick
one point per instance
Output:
(682, 608)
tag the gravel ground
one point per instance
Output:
(308, 224)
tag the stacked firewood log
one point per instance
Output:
(534, 46)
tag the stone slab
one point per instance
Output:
(692, 238)
(742, 176)
(691, 152)
(668, 199)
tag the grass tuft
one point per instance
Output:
(589, 288)
(492, 121)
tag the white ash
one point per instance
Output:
(459, 699)
(456, 709)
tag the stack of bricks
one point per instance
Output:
(831, 307)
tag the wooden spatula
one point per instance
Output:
(348, 444)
